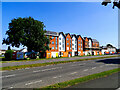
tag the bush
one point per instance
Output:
(8, 54)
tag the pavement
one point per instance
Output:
(111, 82)
(46, 75)
(45, 61)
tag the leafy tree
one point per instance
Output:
(27, 32)
(8, 54)
(116, 3)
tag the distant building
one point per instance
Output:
(108, 49)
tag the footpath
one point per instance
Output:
(48, 60)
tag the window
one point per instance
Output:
(52, 42)
(60, 43)
(60, 48)
(52, 37)
(67, 39)
(63, 46)
(56, 43)
(79, 44)
(59, 38)
(78, 40)
(67, 43)
(56, 47)
(79, 48)
(73, 44)
(72, 48)
(70, 43)
(52, 47)
(72, 39)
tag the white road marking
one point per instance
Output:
(48, 69)
(73, 73)
(8, 76)
(11, 87)
(57, 76)
(93, 67)
(33, 82)
(85, 70)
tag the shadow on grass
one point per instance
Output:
(110, 61)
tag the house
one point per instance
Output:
(86, 46)
(79, 45)
(95, 47)
(74, 45)
(54, 44)
(68, 44)
(108, 49)
(62, 45)
(90, 45)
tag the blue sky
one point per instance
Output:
(89, 19)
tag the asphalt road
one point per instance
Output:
(49, 60)
(46, 75)
(111, 81)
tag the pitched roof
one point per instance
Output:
(94, 40)
(51, 33)
(62, 34)
(74, 35)
(79, 36)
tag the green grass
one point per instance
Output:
(79, 80)
(48, 63)
(2, 57)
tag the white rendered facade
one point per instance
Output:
(61, 42)
(74, 45)
(90, 46)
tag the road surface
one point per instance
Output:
(46, 75)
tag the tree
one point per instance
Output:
(116, 3)
(27, 32)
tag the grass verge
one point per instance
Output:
(79, 80)
(49, 63)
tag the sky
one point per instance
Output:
(88, 19)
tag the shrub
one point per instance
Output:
(8, 54)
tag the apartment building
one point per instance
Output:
(80, 45)
(62, 45)
(74, 45)
(54, 44)
(95, 47)
(86, 46)
(68, 44)
(90, 46)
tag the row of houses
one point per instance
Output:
(65, 45)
